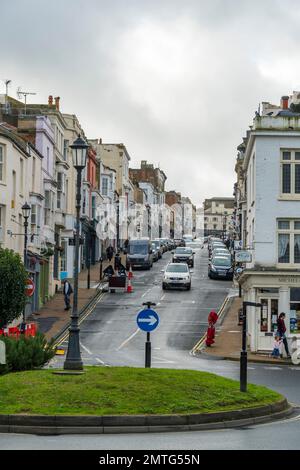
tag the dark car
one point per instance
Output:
(220, 267)
(159, 247)
(183, 255)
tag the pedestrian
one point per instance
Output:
(109, 271)
(276, 347)
(109, 253)
(117, 261)
(281, 329)
(67, 291)
(126, 243)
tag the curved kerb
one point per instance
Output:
(55, 425)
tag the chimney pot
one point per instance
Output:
(57, 98)
(100, 141)
(50, 100)
(284, 103)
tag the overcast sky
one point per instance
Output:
(177, 81)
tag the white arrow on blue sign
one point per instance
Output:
(147, 320)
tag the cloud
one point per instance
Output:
(177, 82)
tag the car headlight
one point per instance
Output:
(213, 268)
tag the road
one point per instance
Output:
(110, 336)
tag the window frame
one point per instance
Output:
(292, 162)
(291, 231)
(2, 163)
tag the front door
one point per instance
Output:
(267, 323)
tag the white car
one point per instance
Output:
(177, 275)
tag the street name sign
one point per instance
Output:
(243, 256)
(147, 320)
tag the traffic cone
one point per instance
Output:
(130, 274)
(129, 286)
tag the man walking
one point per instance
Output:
(109, 253)
(67, 291)
(281, 329)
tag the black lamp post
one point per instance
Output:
(118, 224)
(73, 359)
(243, 358)
(26, 209)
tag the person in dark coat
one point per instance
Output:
(117, 261)
(109, 253)
(67, 291)
(109, 271)
(281, 329)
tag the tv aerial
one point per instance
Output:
(24, 94)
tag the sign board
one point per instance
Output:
(2, 353)
(63, 275)
(243, 256)
(147, 320)
(29, 287)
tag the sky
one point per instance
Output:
(177, 81)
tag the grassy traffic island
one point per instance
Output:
(126, 391)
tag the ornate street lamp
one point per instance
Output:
(73, 359)
(26, 209)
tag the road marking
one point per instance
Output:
(146, 292)
(99, 360)
(86, 349)
(162, 298)
(127, 340)
(273, 368)
(160, 360)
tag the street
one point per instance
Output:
(110, 336)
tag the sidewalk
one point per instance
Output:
(228, 340)
(52, 318)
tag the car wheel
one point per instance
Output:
(164, 287)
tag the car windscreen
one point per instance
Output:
(221, 262)
(183, 251)
(177, 269)
(138, 249)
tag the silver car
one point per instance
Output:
(177, 275)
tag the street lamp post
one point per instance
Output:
(118, 224)
(243, 358)
(26, 209)
(73, 359)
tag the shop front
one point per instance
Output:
(277, 291)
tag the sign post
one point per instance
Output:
(147, 320)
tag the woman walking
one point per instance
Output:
(281, 329)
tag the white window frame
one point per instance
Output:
(291, 231)
(292, 162)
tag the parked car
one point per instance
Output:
(163, 243)
(155, 251)
(220, 267)
(215, 245)
(177, 275)
(182, 254)
(139, 253)
(159, 247)
(220, 252)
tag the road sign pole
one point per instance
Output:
(148, 351)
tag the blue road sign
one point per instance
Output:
(147, 320)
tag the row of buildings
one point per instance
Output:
(267, 218)
(118, 202)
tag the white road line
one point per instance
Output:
(99, 360)
(86, 349)
(127, 340)
(146, 292)
(162, 298)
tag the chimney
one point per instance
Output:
(50, 100)
(56, 99)
(100, 141)
(284, 102)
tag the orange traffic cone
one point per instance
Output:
(130, 274)
(129, 286)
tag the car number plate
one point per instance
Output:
(222, 273)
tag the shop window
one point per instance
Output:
(295, 310)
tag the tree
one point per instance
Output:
(12, 286)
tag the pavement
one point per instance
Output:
(228, 339)
(52, 319)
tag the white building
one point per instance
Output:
(271, 221)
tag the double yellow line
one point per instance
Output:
(81, 319)
(221, 312)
